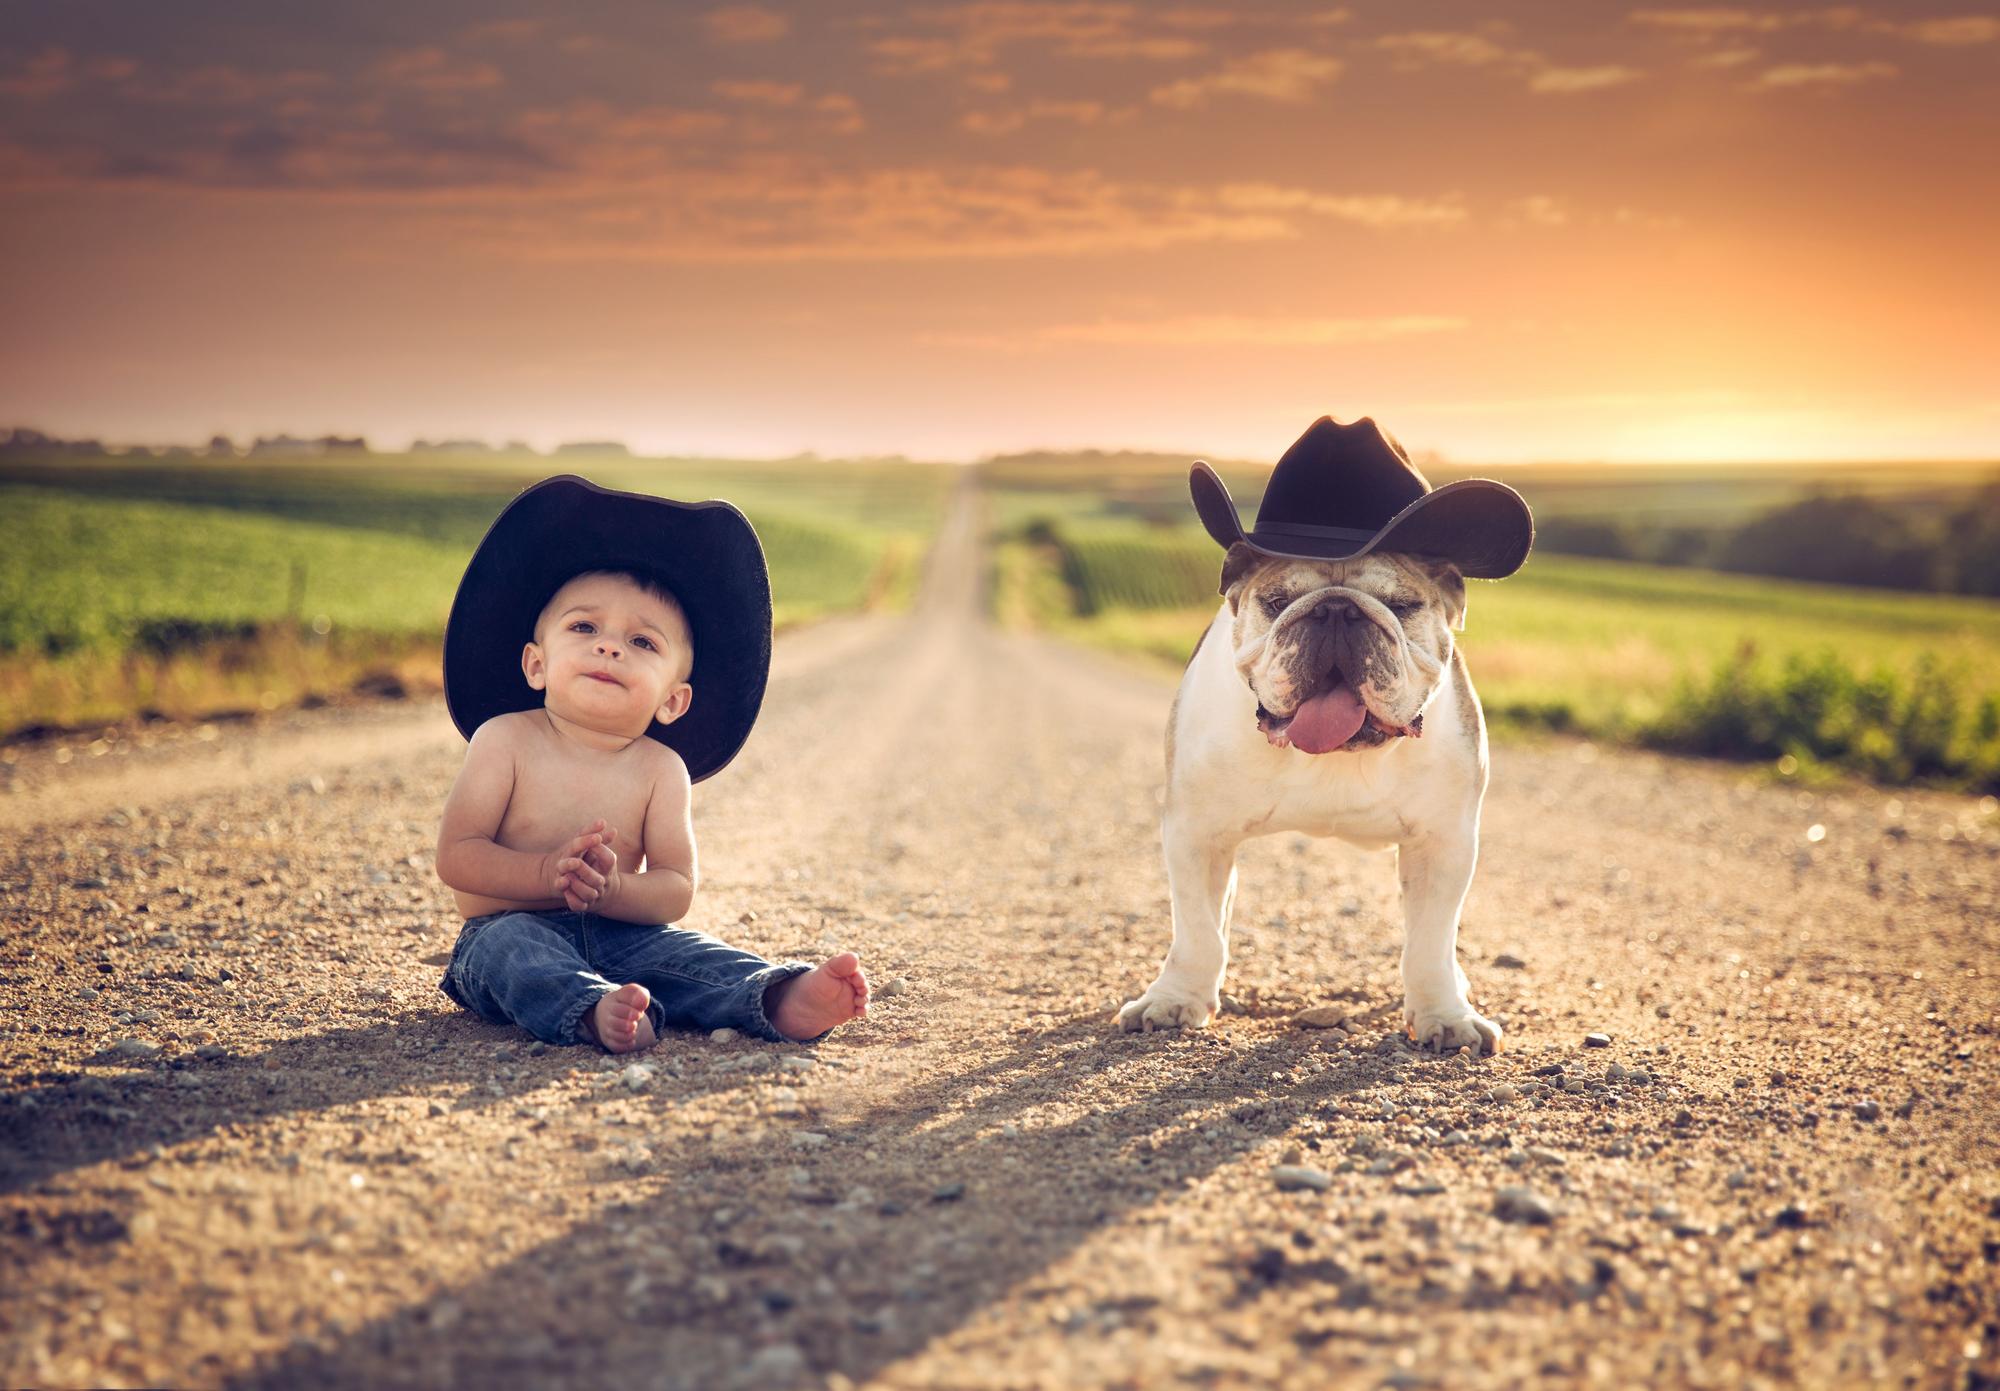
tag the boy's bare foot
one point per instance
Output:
(807, 1005)
(617, 1023)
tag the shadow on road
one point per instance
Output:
(52, 1129)
(976, 1198)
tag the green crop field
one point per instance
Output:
(453, 497)
(1613, 649)
(1153, 488)
(185, 587)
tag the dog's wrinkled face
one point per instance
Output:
(1341, 654)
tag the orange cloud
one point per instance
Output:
(900, 55)
(746, 24)
(993, 122)
(1956, 31)
(1966, 30)
(1199, 17)
(843, 113)
(230, 86)
(1582, 79)
(1821, 75)
(510, 31)
(590, 125)
(1082, 113)
(1211, 331)
(1539, 210)
(1415, 51)
(1710, 21)
(46, 74)
(768, 208)
(434, 70)
(760, 93)
(931, 38)
(1284, 75)
(1158, 49)
(1468, 50)
(1379, 210)
(1727, 58)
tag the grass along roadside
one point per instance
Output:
(112, 608)
(1896, 687)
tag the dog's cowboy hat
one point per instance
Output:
(705, 553)
(1344, 491)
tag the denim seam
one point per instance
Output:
(762, 981)
(573, 1017)
(454, 969)
(710, 982)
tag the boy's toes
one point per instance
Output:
(829, 995)
(618, 1015)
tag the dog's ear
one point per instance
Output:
(1240, 561)
(1451, 590)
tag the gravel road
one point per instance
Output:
(244, 1141)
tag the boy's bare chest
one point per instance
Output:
(553, 801)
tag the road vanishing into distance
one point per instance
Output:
(244, 1141)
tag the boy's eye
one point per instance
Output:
(646, 643)
(582, 626)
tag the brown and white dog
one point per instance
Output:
(1328, 697)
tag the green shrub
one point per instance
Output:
(1918, 727)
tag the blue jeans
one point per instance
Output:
(542, 971)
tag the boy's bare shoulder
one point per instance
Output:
(505, 733)
(664, 765)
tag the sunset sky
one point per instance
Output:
(1509, 232)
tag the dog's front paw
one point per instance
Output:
(1450, 1027)
(1165, 1006)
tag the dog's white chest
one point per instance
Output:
(1225, 772)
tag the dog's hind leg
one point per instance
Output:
(1201, 875)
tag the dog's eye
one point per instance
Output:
(1404, 609)
(1275, 604)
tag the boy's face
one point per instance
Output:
(610, 656)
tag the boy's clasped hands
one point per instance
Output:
(586, 869)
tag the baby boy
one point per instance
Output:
(567, 839)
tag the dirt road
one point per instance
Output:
(245, 1142)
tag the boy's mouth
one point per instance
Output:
(604, 676)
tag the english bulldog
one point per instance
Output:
(1328, 697)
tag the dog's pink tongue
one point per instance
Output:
(1327, 721)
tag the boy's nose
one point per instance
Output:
(607, 648)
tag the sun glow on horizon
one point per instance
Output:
(944, 231)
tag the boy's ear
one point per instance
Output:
(676, 704)
(535, 667)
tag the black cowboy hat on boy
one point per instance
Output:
(1344, 491)
(705, 553)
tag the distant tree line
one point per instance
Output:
(21, 440)
(1827, 538)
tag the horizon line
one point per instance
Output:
(335, 446)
